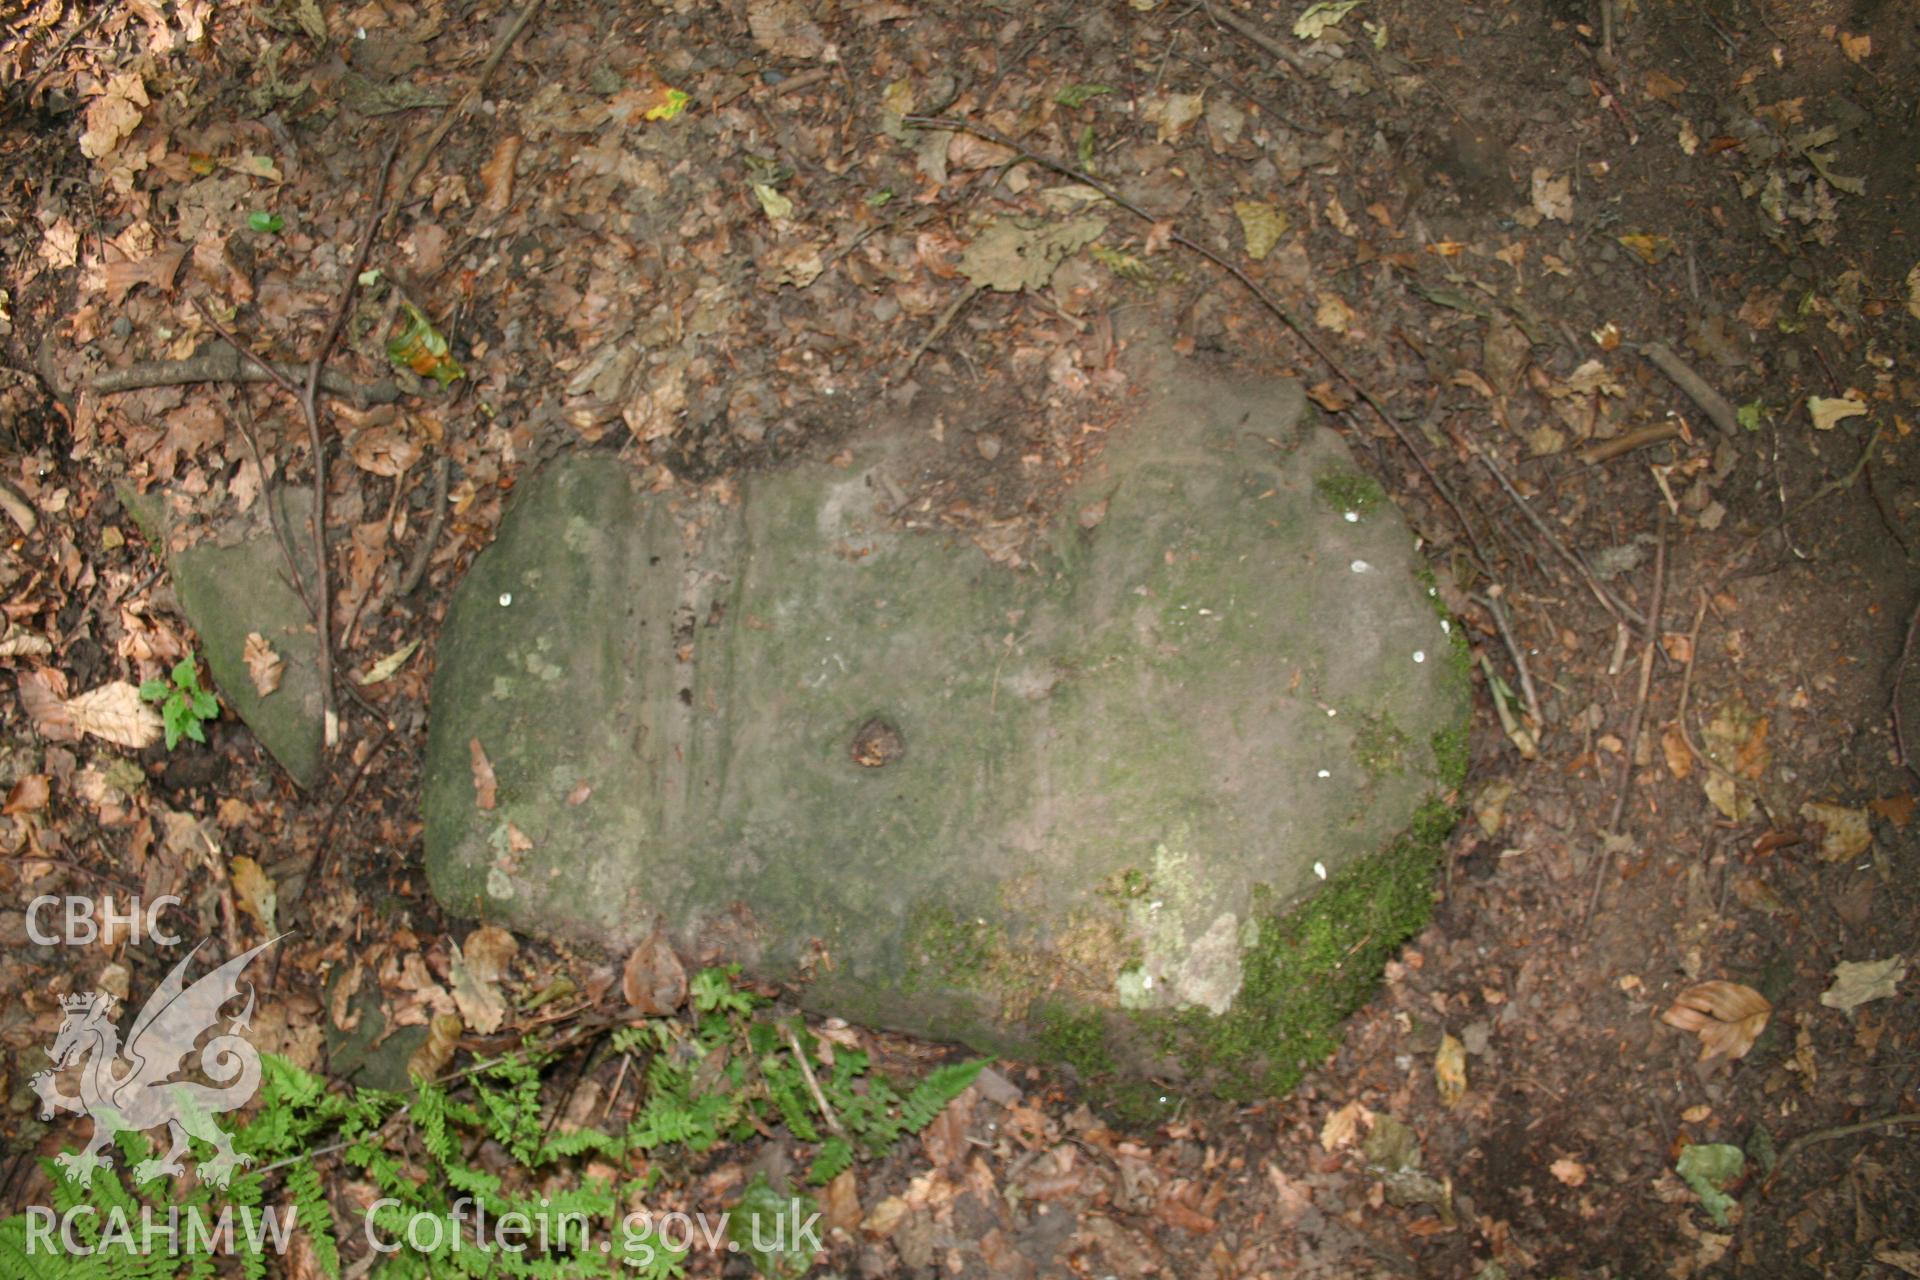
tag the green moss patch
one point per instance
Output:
(1350, 491)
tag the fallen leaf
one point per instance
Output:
(29, 795)
(1490, 806)
(1848, 834)
(1569, 1171)
(1320, 16)
(383, 670)
(496, 175)
(1913, 291)
(1664, 88)
(1829, 412)
(432, 1057)
(654, 981)
(254, 891)
(1652, 249)
(1708, 1167)
(1895, 809)
(43, 694)
(383, 451)
(1856, 982)
(1673, 745)
(1450, 1070)
(782, 28)
(490, 951)
(1262, 224)
(156, 271)
(1334, 315)
(264, 666)
(1173, 113)
(1727, 1016)
(1552, 196)
(114, 713)
(477, 997)
(485, 785)
(1342, 1125)
(1857, 48)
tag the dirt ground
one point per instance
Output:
(1461, 226)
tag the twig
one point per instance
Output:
(1254, 36)
(318, 515)
(102, 876)
(1650, 641)
(1527, 690)
(940, 326)
(1899, 682)
(270, 490)
(1711, 402)
(1837, 485)
(417, 567)
(222, 363)
(813, 1085)
(1806, 1140)
(447, 118)
(1615, 605)
(322, 854)
(1266, 299)
(1608, 450)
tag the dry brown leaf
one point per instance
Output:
(157, 270)
(1342, 1126)
(383, 451)
(782, 28)
(43, 693)
(29, 794)
(490, 951)
(481, 1005)
(432, 1057)
(1450, 1070)
(497, 175)
(654, 981)
(114, 713)
(485, 786)
(253, 891)
(1673, 744)
(1727, 1016)
(264, 666)
(1895, 809)
(1569, 1171)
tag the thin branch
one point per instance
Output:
(1618, 607)
(1649, 642)
(1527, 689)
(223, 363)
(452, 113)
(813, 1085)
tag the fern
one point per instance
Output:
(721, 1073)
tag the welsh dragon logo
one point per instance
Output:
(136, 1087)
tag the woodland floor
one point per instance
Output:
(1486, 213)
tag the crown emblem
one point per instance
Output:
(85, 1001)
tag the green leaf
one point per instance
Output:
(183, 673)
(266, 223)
(205, 705)
(1077, 95)
(154, 690)
(1708, 1167)
(1751, 416)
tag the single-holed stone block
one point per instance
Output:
(1073, 809)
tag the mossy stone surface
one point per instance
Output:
(233, 584)
(937, 794)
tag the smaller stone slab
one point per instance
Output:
(235, 583)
